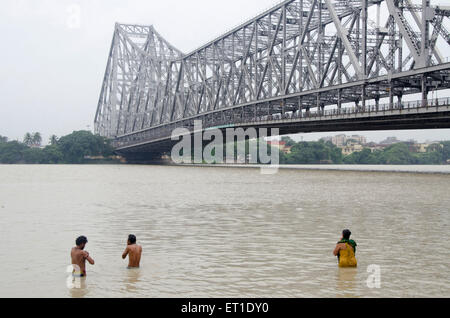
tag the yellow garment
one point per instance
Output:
(347, 257)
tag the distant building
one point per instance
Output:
(375, 147)
(348, 144)
(348, 150)
(359, 139)
(287, 150)
(419, 148)
(281, 145)
(343, 140)
(426, 147)
(390, 141)
(339, 140)
(327, 139)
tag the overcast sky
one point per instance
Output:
(52, 63)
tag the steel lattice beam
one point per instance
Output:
(297, 56)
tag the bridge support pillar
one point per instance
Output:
(424, 91)
(363, 98)
(319, 110)
(339, 103)
(300, 106)
(400, 100)
(391, 96)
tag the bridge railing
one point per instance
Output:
(368, 110)
(165, 132)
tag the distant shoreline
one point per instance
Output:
(420, 169)
(423, 169)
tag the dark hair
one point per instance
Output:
(132, 239)
(346, 234)
(81, 240)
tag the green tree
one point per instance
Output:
(289, 142)
(398, 154)
(37, 139)
(33, 156)
(362, 158)
(12, 152)
(313, 153)
(53, 140)
(430, 158)
(445, 150)
(3, 139)
(28, 139)
(76, 146)
(52, 155)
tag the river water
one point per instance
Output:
(222, 232)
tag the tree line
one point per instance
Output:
(76, 147)
(398, 154)
(70, 149)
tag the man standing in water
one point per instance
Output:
(133, 251)
(345, 250)
(80, 256)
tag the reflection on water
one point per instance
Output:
(79, 288)
(217, 232)
(132, 278)
(346, 282)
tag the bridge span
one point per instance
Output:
(301, 66)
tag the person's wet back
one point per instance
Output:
(80, 256)
(133, 251)
(345, 250)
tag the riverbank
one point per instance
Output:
(422, 169)
(426, 169)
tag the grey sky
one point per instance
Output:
(52, 70)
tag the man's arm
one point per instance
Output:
(337, 250)
(125, 254)
(88, 258)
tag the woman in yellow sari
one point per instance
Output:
(345, 250)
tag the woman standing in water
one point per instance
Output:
(345, 250)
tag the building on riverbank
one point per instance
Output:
(344, 140)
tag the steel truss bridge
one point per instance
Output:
(301, 66)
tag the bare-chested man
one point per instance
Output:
(80, 256)
(133, 251)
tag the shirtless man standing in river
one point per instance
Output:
(80, 256)
(133, 251)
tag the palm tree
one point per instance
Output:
(28, 140)
(53, 140)
(37, 139)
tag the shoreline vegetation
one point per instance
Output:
(80, 147)
(83, 147)
(325, 152)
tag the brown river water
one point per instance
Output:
(223, 232)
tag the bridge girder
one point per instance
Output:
(298, 55)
